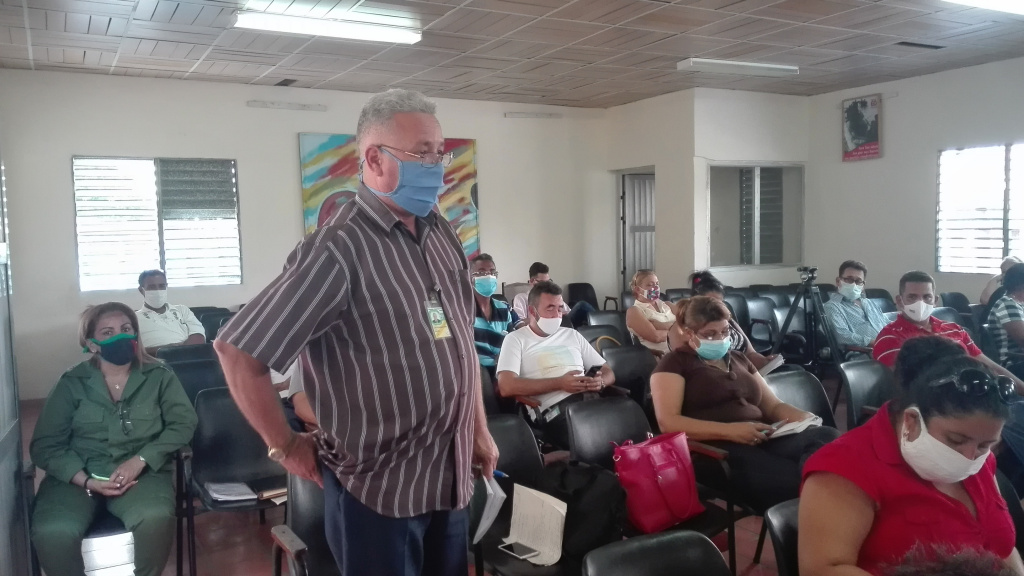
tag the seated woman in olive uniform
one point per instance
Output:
(106, 437)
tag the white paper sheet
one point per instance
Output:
(772, 365)
(796, 427)
(495, 498)
(230, 491)
(538, 521)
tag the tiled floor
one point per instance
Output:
(236, 544)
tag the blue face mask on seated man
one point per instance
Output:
(486, 286)
(418, 187)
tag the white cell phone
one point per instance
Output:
(518, 550)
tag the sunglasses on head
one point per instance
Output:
(974, 382)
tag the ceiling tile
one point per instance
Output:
(483, 23)
(744, 51)
(580, 54)
(483, 62)
(325, 63)
(802, 35)
(869, 17)
(513, 49)
(623, 39)
(859, 42)
(733, 6)
(525, 7)
(920, 27)
(344, 48)
(601, 72)
(806, 10)
(414, 56)
(556, 31)
(453, 42)
(675, 19)
(686, 45)
(802, 56)
(402, 12)
(643, 60)
(541, 69)
(606, 11)
(741, 28)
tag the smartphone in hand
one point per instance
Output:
(593, 372)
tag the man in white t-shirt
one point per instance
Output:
(546, 364)
(162, 324)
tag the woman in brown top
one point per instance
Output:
(716, 396)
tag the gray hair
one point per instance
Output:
(382, 107)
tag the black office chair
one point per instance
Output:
(762, 324)
(781, 297)
(175, 354)
(956, 301)
(490, 395)
(627, 299)
(603, 336)
(225, 448)
(1013, 503)
(884, 304)
(212, 321)
(676, 553)
(795, 347)
(978, 315)
(781, 521)
(947, 314)
(302, 537)
(677, 294)
(878, 293)
(825, 290)
(610, 318)
(520, 459)
(200, 310)
(747, 292)
(198, 375)
(802, 390)
(868, 385)
(632, 366)
(581, 292)
(740, 311)
(758, 288)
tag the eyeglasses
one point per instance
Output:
(125, 417)
(484, 273)
(974, 382)
(428, 160)
(852, 280)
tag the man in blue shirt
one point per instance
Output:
(856, 320)
(494, 319)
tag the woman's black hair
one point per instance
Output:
(917, 354)
(924, 363)
(703, 282)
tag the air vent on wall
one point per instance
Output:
(286, 82)
(919, 45)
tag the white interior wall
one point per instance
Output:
(544, 192)
(658, 132)
(883, 211)
(724, 212)
(743, 128)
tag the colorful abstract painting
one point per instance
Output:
(330, 177)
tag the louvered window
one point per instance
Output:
(980, 208)
(761, 216)
(179, 215)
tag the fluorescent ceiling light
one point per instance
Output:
(1011, 6)
(734, 67)
(322, 27)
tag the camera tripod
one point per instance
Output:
(809, 296)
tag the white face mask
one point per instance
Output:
(549, 325)
(934, 461)
(850, 291)
(155, 298)
(918, 311)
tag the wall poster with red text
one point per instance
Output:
(861, 119)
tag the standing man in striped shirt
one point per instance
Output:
(379, 304)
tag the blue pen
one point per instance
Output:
(500, 474)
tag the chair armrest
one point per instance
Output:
(614, 299)
(760, 321)
(617, 390)
(861, 349)
(707, 450)
(288, 541)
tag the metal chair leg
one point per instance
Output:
(760, 541)
(263, 516)
(730, 509)
(190, 506)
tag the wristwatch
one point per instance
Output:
(279, 454)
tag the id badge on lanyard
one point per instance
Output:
(436, 318)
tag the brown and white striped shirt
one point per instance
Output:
(395, 405)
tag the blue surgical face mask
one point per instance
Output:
(485, 286)
(714, 349)
(418, 187)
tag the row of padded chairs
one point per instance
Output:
(783, 526)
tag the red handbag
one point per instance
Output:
(657, 475)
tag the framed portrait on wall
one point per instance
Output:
(862, 119)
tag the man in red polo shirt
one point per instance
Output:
(916, 302)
